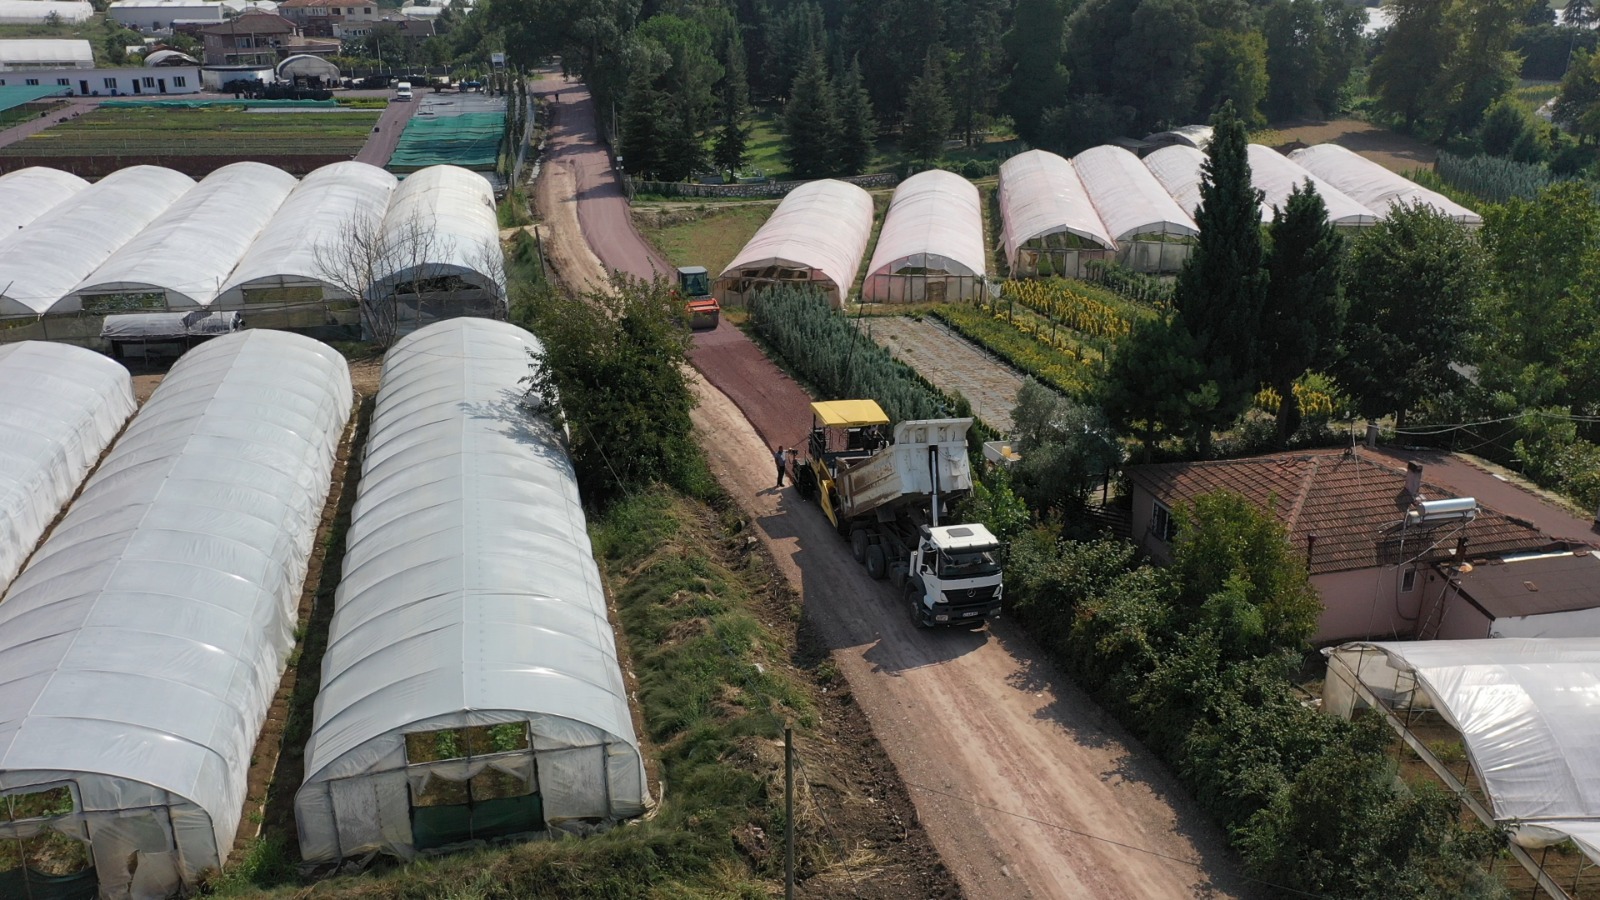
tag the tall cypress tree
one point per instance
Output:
(1222, 288)
(811, 123)
(858, 128)
(731, 146)
(643, 121)
(1305, 306)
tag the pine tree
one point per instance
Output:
(928, 115)
(1305, 309)
(1033, 52)
(1222, 287)
(811, 123)
(1579, 14)
(733, 131)
(858, 128)
(642, 125)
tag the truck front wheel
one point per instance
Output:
(913, 601)
(859, 543)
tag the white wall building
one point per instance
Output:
(113, 82)
(158, 15)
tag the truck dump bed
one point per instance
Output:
(903, 472)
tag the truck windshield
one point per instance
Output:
(968, 564)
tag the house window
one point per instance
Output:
(179, 81)
(33, 81)
(62, 81)
(367, 11)
(1408, 581)
(1161, 524)
(149, 82)
(110, 83)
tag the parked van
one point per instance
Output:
(402, 91)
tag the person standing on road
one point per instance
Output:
(781, 458)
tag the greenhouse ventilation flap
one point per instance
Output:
(144, 642)
(470, 616)
(51, 434)
(1528, 710)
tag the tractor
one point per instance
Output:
(694, 288)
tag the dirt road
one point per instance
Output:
(1026, 789)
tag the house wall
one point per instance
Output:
(1139, 527)
(1570, 624)
(103, 82)
(1369, 602)
(1462, 621)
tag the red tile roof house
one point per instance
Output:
(1345, 509)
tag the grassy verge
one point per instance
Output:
(707, 236)
(714, 690)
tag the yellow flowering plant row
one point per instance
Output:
(1058, 300)
(1022, 346)
(1314, 404)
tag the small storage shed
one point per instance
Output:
(41, 263)
(1373, 186)
(143, 643)
(931, 245)
(815, 238)
(1153, 233)
(59, 409)
(181, 260)
(471, 687)
(1049, 225)
(1532, 595)
(27, 194)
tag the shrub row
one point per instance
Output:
(1130, 284)
(1493, 178)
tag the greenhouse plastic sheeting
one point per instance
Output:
(143, 644)
(442, 223)
(1179, 169)
(1040, 194)
(191, 249)
(1527, 708)
(821, 227)
(470, 140)
(38, 12)
(27, 194)
(470, 596)
(1128, 198)
(322, 215)
(60, 408)
(934, 223)
(1372, 185)
(41, 263)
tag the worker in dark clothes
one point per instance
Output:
(781, 458)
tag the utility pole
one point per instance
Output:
(788, 813)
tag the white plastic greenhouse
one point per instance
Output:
(38, 12)
(44, 261)
(181, 260)
(27, 194)
(1153, 233)
(1178, 168)
(1049, 225)
(471, 685)
(62, 405)
(144, 642)
(283, 279)
(816, 237)
(1372, 185)
(441, 249)
(1528, 710)
(931, 245)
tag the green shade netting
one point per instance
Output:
(471, 140)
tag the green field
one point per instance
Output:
(214, 131)
(703, 237)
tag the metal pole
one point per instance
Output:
(788, 813)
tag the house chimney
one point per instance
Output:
(1413, 479)
(1311, 547)
(1372, 433)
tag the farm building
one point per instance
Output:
(1153, 233)
(1049, 225)
(181, 259)
(284, 279)
(441, 250)
(38, 12)
(1372, 185)
(27, 194)
(471, 687)
(158, 15)
(1531, 595)
(1178, 168)
(815, 238)
(1525, 712)
(931, 245)
(167, 79)
(51, 434)
(144, 641)
(49, 257)
(30, 54)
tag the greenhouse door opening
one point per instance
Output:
(44, 848)
(472, 783)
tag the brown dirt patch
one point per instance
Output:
(1390, 149)
(954, 364)
(574, 263)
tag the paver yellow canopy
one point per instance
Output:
(849, 413)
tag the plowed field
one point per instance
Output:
(954, 364)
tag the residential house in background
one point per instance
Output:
(1382, 570)
(253, 39)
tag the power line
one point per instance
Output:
(1538, 413)
(1105, 840)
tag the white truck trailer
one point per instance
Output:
(885, 496)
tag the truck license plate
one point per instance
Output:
(972, 612)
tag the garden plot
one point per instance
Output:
(951, 363)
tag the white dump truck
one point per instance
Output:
(885, 495)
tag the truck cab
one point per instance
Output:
(402, 91)
(955, 576)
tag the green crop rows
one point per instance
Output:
(201, 132)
